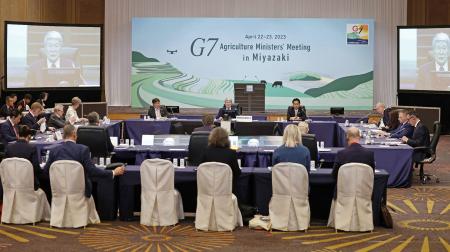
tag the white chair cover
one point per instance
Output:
(21, 203)
(217, 207)
(352, 211)
(289, 207)
(161, 204)
(70, 207)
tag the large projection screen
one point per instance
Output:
(45, 56)
(423, 54)
(194, 62)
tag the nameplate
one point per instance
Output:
(244, 118)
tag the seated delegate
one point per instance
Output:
(420, 136)
(353, 153)
(219, 151)
(56, 119)
(296, 112)
(71, 113)
(22, 149)
(208, 124)
(33, 118)
(228, 110)
(157, 111)
(292, 149)
(405, 129)
(8, 129)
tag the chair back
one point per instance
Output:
(17, 174)
(352, 210)
(94, 137)
(249, 129)
(289, 207)
(290, 179)
(355, 179)
(436, 135)
(157, 175)
(198, 143)
(310, 142)
(67, 177)
(214, 179)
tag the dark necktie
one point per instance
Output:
(441, 69)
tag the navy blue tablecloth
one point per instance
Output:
(254, 188)
(396, 160)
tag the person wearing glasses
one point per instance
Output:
(57, 120)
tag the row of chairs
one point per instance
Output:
(161, 204)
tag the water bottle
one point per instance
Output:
(47, 155)
(347, 123)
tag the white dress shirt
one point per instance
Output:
(57, 64)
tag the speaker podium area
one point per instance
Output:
(250, 96)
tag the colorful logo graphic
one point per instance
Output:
(358, 34)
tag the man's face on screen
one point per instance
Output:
(53, 49)
(440, 52)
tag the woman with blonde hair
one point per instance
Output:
(292, 149)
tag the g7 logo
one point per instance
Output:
(204, 42)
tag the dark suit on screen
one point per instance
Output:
(22, 149)
(80, 153)
(162, 111)
(37, 73)
(7, 132)
(428, 78)
(420, 137)
(226, 156)
(301, 113)
(354, 153)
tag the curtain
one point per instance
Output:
(388, 14)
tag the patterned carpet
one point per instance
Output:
(421, 223)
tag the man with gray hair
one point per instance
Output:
(56, 119)
(227, 110)
(353, 153)
(40, 71)
(434, 75)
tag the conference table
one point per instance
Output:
(134, 128)
(390, 154)
(254, 188)
(395, 159)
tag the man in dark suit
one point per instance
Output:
(56, 119)
(420, 137)
(94, 121)
(353, 153)
(296, 112)
(208, 124)
(434, 75)
(227, 109)
(38, 71)
(24, 104)
(8, 107)
(381, 109)
(22, 149)
(8, 129)
(31, 118)
(405, 129)
(70, 150)
(157, 111)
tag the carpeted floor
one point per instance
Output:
(421, 223)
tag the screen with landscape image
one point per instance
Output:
(194, 62)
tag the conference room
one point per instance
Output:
(275, 125)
